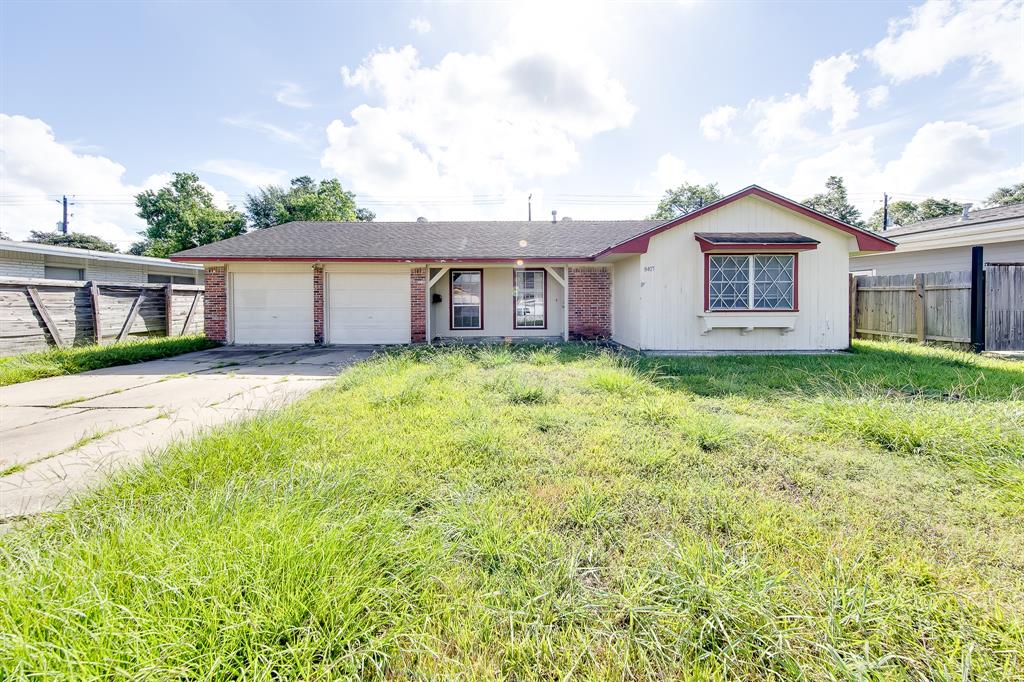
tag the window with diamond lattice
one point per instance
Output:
(751, 282)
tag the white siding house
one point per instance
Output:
(944, 244)
(753, 271)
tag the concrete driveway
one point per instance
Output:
(60, 435)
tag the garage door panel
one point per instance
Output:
(272, 307)
(368, 307)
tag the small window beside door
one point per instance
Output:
(529, 296)
(467, 299)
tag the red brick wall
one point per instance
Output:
(318, 304)
(215, 303)
(418, 304)
(590, 303)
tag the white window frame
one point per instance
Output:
(543, 298)
(451, 293)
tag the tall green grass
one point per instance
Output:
(514, 513)
(57, 361)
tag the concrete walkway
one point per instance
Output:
(60, 435)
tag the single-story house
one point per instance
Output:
(944, 244)
(44, 261)
(752, 271)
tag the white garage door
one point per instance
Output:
(368, 306)
(272, 307)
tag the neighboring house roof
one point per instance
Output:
(582, 240)
(981, 216)
(89, 254)
(997, 225)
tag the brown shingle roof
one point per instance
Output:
(429, 240)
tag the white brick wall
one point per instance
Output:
(13, 264)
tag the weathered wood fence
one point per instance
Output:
(39, 313)
(936, 307)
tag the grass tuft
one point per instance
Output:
(58, 361)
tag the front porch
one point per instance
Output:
(479, 303)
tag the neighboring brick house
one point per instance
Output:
(751, 271)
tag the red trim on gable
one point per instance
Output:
(865, 240)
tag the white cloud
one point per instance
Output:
(473, 123)
(716, 124)
(877, 96)
(420, 25)
(268, 129)
(670, 171)
(249, 174)
(293, 95)
(951, 159)
(35, 168)
(938, 33)
(782, 120)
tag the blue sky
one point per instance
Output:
(458, 111)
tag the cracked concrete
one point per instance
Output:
(59, 436)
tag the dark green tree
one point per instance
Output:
(305, 199)
(835, 202)
(900, 213)
(936, 208)
(1004, 196)
(686, 198)
(182, 215)
(74, 240)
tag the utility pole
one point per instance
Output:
(64, 223)
(529, 208)
(885, 211)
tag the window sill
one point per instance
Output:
(747, 321)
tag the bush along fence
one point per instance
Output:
(977, 309)
(36, 314)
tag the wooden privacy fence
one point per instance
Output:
(937, 306)
(38, 313)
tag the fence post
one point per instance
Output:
(853, 308)
(97, 320)
(919, 290)
(977, 299)
(169, 309)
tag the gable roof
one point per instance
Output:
(567, 240)
(979, 217)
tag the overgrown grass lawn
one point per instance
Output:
(558, 513)
(56, 361)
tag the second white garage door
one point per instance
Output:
(272, 307)
(368, 306)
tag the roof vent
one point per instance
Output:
(966, 214)
(421, 219)
(554, 216)
(566, 219)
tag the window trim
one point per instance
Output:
(451, 299)
(749, 254)
(515, 304)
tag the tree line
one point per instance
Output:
(183, 214)
(835, 202)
